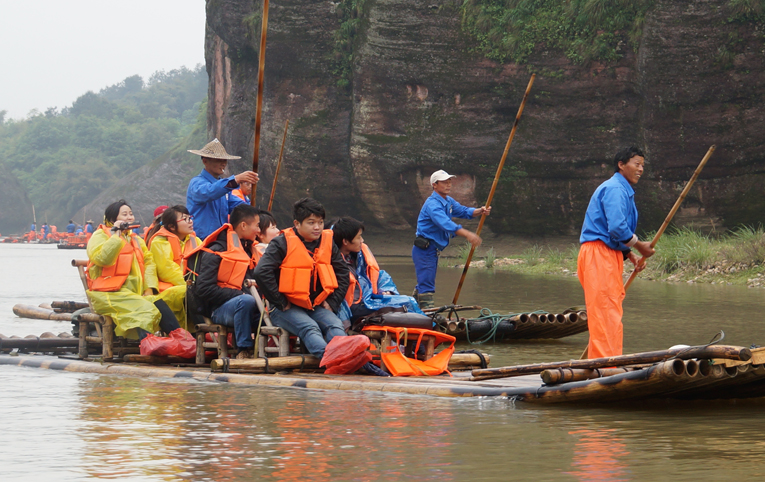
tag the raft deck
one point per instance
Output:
(672, 379)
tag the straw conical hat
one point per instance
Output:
(214, 150)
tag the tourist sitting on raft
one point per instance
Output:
(122, 278)
(172, 238)
(370, 287)
(304, 277)
(218, 291)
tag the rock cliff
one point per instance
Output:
(380, 93)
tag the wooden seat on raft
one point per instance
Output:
(104, 326)
(279, 337)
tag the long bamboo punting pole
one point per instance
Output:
(672, 213)
(278, 165)
(717, 351)
(259, 107)
(494, 186)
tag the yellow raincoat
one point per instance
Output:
(170, 272)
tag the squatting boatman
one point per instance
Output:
(434, 230)
(208, 196)
(608, 234)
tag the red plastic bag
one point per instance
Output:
(342, 348)
(180, 343)
(350, 365)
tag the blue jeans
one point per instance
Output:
(242, 314)
(425, 266)
(315, 328)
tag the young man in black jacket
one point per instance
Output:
(304, 277)
(221, 294)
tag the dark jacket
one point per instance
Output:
(209, 295)
(267, 273)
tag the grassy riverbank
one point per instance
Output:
(682, 255)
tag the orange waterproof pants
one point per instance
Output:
(600, 271)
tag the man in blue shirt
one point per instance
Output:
(208, 197)
(608, 234)
(434, 230)
(89, 227)
(71, 227)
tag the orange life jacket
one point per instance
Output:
(373, 273)
(400, 366)
(234, 261)
(113, 277)
(238, 193)
(299, 271)
(175, 247)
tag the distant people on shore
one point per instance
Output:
(208, 196)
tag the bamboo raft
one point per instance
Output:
(705, 373)
(523, 326)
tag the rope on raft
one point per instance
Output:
(495, 319)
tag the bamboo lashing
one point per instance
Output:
(278, 165)
(494, 186)
(717, 351)
(259, 107)
(671, 214)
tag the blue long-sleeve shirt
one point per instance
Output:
(209, 201)
(435, 219)
(611, 215)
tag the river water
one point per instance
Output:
(70, 426)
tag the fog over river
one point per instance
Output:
(61, 426)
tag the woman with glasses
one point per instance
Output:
(168, 241)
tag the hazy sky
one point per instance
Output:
(53, 51)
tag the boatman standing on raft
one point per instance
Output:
(208, 197)
(608, 234)
(434, 230)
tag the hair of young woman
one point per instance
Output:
(266, 220)
(113, 210)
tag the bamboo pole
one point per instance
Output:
(278, 363)
(671, 214)
(716, 351)
(278, 165)
(259, 108)
(37, 313)
(34, 216)
(494, 186)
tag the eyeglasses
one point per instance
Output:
(189, 218)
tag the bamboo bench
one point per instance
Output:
(219, 334)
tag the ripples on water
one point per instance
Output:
(70, 426)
